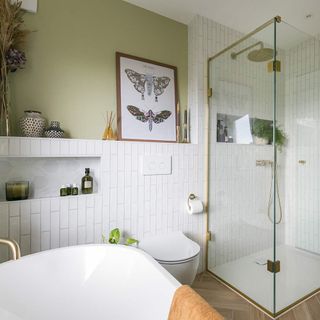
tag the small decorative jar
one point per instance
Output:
(54, 130)
(32, 124)
(63, 191)
(74, 190)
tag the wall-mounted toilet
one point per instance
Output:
(176, 253)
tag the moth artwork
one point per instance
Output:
(149, 116)
(146, 99)
(141, 81)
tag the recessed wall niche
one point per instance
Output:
(46, 175)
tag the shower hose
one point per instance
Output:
(274, 175)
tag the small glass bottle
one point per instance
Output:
(63, 191)
(87, 183)
(74, 190)
(68, 186)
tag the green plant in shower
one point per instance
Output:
(264, 129)
(115, 238)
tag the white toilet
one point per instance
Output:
(176, 253)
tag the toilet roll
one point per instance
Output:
(194, 206)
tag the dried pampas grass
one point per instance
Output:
(12, 36)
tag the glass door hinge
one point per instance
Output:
(210, 92)
(273, 266)
(209, 237)
(274, 66)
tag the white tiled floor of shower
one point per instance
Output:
(299, 276)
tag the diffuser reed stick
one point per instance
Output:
(178, 123)
(108, 132)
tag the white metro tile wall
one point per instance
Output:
(139, 205)
(302, 120)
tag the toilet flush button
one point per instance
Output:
(156, 165)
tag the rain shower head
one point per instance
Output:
(258, 55)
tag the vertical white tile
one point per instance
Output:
(14, 147)
(4, 220)
(4, 146)
(14, 209)
(98, 233)
(90, 225)
(14, 232)
(45, 240)
(73, 227)
(35, 233)
(64, 237)
(90, 144)
(45, 215)
(35, 206)
(64, 209)
(55, 204)
(73, 147)
(25, 218)
(64, 147)
(25, 245)
(81, 235)
(25, 147)
(45, 147)
(35, 147)
(55, 230)
(54, 147)
(81, 211)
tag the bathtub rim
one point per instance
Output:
(173, 281)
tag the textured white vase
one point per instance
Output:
(32, 124)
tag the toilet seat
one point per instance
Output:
(174, 248)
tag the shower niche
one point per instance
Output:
(243, 130)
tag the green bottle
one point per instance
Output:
(87, 183)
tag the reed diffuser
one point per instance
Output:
(108, 133)
(185, 127)
(178, 123)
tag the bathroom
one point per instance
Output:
(143, 187)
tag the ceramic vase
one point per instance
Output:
(32, 124)
(54, 130)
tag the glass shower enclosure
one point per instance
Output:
(264, 177)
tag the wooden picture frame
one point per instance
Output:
(147, 98)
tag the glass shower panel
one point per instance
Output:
(298, 113)
(241, 168)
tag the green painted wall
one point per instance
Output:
(70, 73)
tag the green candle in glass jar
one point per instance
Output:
(17, 190)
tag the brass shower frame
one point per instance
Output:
(209, 93)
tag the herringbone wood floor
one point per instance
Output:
(234, 307)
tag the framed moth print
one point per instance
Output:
(147, 99)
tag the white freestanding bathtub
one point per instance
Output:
(88, 282)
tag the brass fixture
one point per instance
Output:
(264, 163)
(302, 162)
(14, 248)
(274, 66)
(258, 55)
(273, 266)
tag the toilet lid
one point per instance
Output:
(171, 247)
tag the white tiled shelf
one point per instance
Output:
(45, 147)
(2, 201)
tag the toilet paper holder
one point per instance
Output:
(192, 196)
(194, 204)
